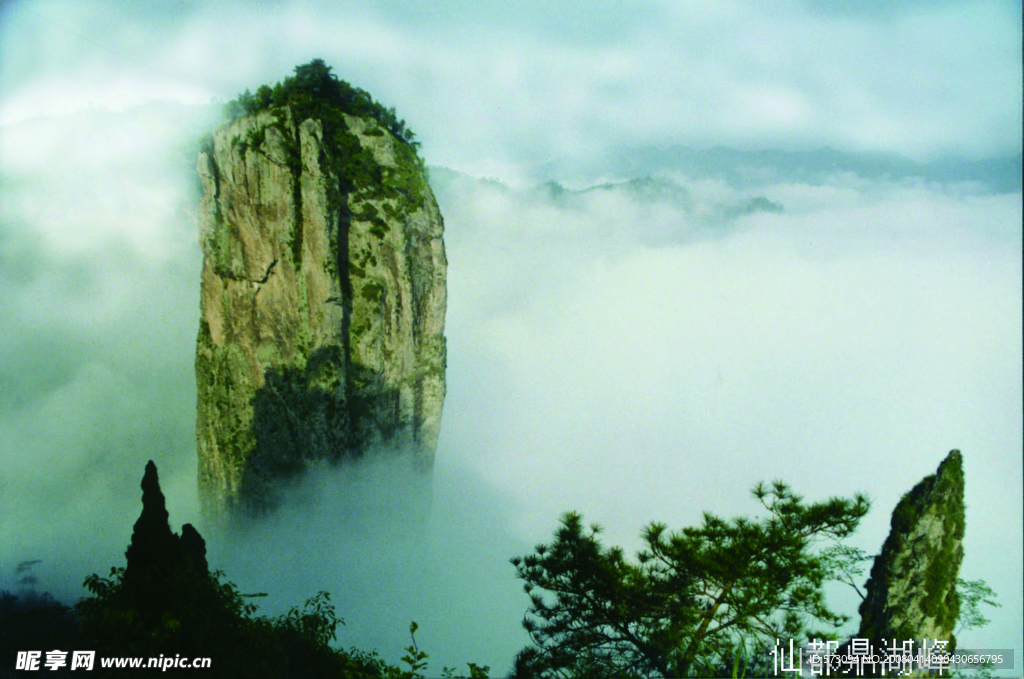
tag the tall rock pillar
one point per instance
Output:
(323, 295)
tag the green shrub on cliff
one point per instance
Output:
(315, 92)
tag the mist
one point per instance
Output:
(630, 337)
(636, 351)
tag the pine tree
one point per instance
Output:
(693, 602)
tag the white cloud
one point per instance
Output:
(846, 344)
(629, 356)
(505, 86)
(631, 359)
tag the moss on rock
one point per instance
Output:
(912, 590)
(323, 297)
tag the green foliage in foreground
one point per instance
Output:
(703, 601)
(167, 604)
(221, 623)
(224, 627)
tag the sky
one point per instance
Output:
(631, 356)
(488, 85)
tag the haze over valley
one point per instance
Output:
(677, 266)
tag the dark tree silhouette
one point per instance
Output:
(167, 602)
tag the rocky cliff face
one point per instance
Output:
(912, 590)
(322, 302)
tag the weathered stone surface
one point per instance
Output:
(322, 303)
(912, 590)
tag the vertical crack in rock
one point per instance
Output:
(323, 296)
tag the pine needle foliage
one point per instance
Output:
(696, 602)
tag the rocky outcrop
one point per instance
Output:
(154, 547)
(912, 590)
(322, 303)
(165, 572)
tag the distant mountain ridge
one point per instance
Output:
(748, 169)
(657, 210)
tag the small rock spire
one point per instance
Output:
(912, 591)
(153, 544)
(157, 556)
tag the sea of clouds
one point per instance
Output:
(636, 351)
